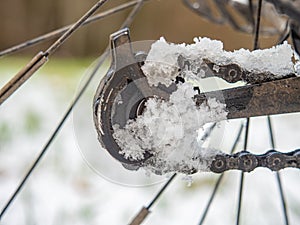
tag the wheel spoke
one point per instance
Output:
(60, 31)
(220, 178)
(53, 135)
(144, 212)
(277, 175)
(65, 32)
(241, 185)
(127, 22)
(39, 60)
(257, 26)
(255, 46)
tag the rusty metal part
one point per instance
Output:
(231, 72)
(275, 97)
(121, 95)
(109, 89)
(247, 162)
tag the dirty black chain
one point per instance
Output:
(231, 72)
(246, 161)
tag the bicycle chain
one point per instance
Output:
(246, 161)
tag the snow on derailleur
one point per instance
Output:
(168, 130)
(163, 137)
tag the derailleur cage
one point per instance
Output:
(122, 94)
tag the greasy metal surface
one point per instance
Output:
(276, 97)
(247, 161)
(124, 90)
(121, 94)
(231, 72)
(110, 87)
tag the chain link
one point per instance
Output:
(246, 161)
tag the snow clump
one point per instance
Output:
(161, 65)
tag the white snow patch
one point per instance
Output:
(169, 131)
(161, 65)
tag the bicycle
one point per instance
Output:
(218, 182)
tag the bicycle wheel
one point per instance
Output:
(64, 190)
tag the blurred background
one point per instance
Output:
(25, 19)
(66, 188)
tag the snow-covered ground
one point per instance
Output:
(78, 183)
